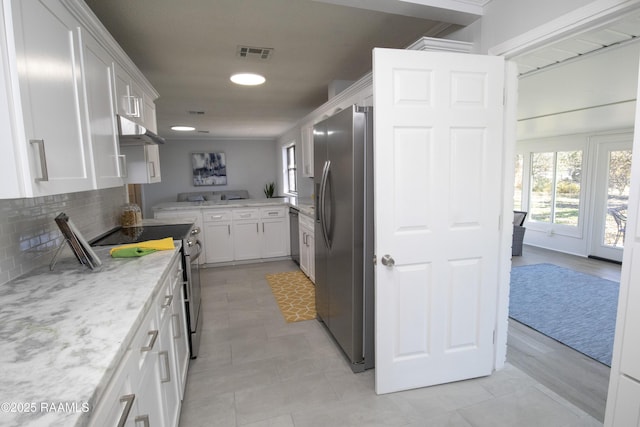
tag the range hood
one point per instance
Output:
(131, 133)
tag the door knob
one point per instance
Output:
(388, 261)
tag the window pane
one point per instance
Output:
(617, 197)
(541, 186)
(292, 181)
(568, 177)
(291, 156)
(517, 192)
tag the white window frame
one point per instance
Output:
(286, 167)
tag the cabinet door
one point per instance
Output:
(275, 236)
(307, 151)
(153, 163)
(219, 241)
(304, 251)
(143, 164)
(49, 72)
(105, 148)
(149, 113)
(149, 396)
(311, 257)
(118, 404)
(179, 332)
(167, 374)
(126, 104)
(246, 239)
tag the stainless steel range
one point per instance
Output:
(191, 249)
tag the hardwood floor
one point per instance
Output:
(574, 376)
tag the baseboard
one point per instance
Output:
(613, 261)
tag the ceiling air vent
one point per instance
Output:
(258, 53)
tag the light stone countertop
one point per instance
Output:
(305, 206)
(63, 332)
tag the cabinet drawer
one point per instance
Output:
(217, 216)
(246, 214)
(272, 212)
(145, 341)
(306, 221)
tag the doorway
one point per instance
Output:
(611, 195)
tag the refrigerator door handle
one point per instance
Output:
(323, 194)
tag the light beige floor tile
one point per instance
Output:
(208, 411)
(282, 398)
(280, 421)
(526, 408)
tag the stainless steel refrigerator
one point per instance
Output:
(343, 184)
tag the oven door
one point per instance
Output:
(193, 299)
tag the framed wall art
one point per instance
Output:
(209, 169)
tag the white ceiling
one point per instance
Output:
(187, 50)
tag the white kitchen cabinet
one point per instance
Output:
(247, 239)
(307, 150)
(105, 149)
(275, 235)
(132, 102)
(180, 335)
(142, 163)
(45, 76)
(307, 246)
(217, 236)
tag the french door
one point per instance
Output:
(611, 197)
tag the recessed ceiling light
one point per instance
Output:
(183, 128)
(248, 79)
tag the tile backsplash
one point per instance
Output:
(29, 235)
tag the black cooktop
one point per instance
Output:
(124, 235)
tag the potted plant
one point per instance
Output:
(269, 189)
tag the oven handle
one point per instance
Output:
(193, 256)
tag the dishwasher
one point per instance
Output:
(293, 235)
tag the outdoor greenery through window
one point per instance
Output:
(291, 169)
(517, 185)
(555, 187)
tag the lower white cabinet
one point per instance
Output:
(307, 247)
(217, 231)
(148, 385)
(247, 239)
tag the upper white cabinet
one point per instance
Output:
(58, 99)
(45, 79)
(105, 149)
(307, 150)
(132, 102)
(143, 163)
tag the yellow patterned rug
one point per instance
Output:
(295, 294)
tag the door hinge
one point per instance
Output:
(375, 260)
(494, 336)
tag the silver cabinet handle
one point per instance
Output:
(127, 399)
(257, 229)
(388, 261)
(167, 377)
(168, 299)
(144, 419)
(152, 169)
(263, 227)
(177, 332)
(154, 336)
(229, 228)
(43, 159)
(122, 160)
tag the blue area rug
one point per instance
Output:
(577, 309)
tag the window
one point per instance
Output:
(555, 187)
(517, 185)
(290, 179)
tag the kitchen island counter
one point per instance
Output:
(64, 332)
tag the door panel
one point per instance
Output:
(438, 167)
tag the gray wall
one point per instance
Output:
(250, 165)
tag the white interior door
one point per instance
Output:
(438, 138)
(611, 196)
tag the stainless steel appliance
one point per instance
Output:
(343, 184)
(132, 133)
(191, 249)
(294, 230)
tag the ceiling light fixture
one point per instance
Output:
(248, 79)
(183, 128)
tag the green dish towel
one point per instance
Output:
(131, 252)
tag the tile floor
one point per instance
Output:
(256, 370)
